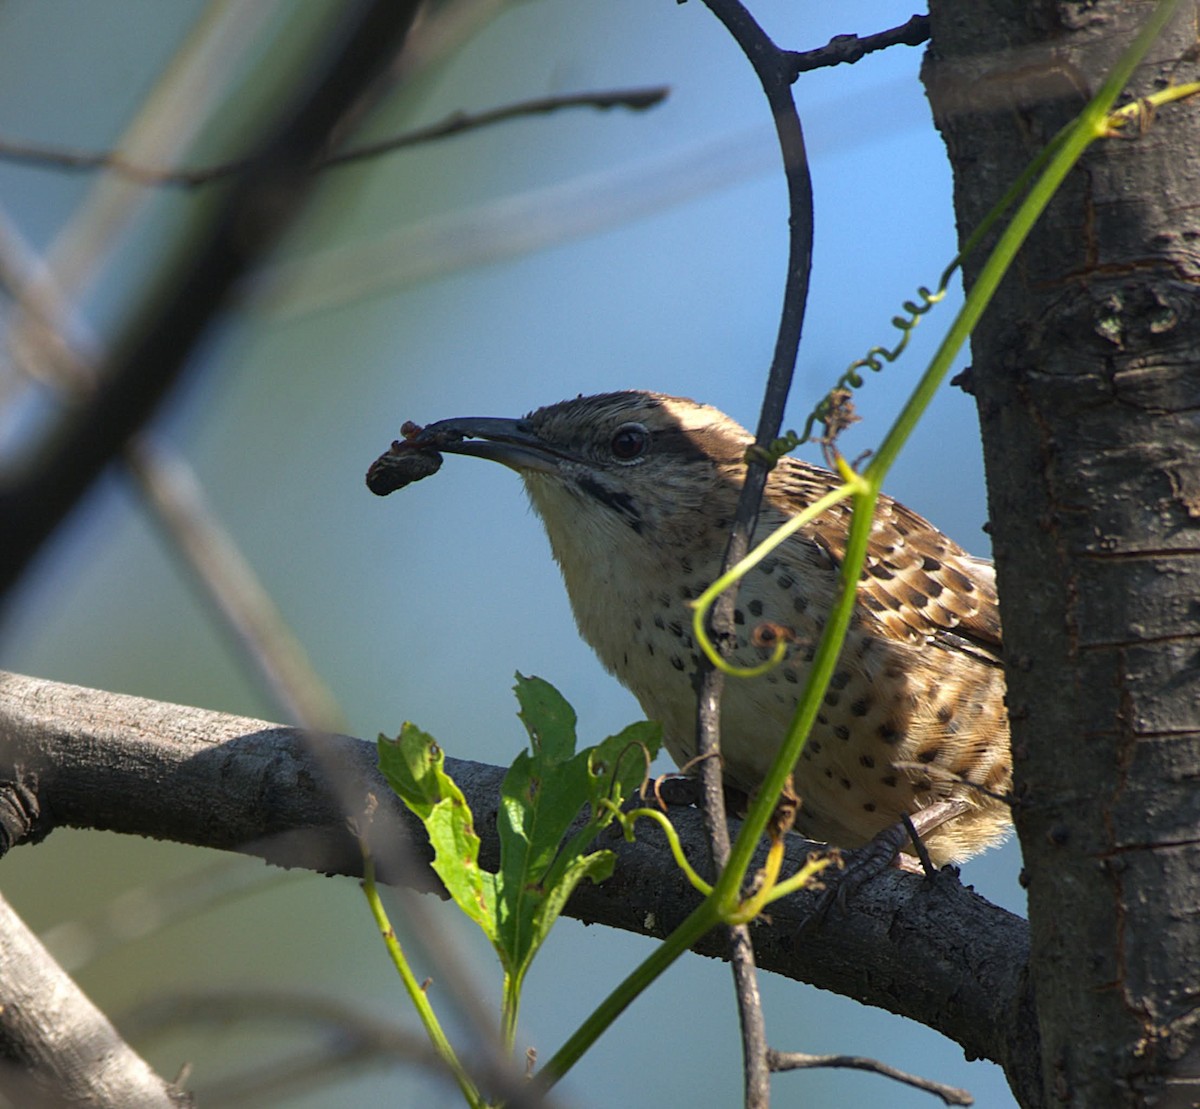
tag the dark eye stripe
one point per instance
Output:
(620, 503)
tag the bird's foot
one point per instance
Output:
(865, 863)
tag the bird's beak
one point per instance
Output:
(418, 454)
(509, 442)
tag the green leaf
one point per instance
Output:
(597, 866)
(413, 765)
(548, 718)
(546, 791)
(543, 794)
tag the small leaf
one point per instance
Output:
(547, 717)
(413, 765)
(543, 793)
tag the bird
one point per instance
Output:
(637, 491)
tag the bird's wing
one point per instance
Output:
(917, 581)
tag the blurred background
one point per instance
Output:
(484, 274)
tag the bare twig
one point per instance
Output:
(798, 1060)
(87, 161)
(460, 122)
(54, 346)
(769, 65)
(845, 49)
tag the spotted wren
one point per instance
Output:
(637, 491)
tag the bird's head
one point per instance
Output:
(617, 468)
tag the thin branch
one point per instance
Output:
(847, 49)
(769, 65)
(798, 1060)
(53, 347)
(46, 156)
(634, 99)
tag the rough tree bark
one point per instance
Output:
(1085, 373)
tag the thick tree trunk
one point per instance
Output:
(1087, 376)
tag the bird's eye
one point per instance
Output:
(629, 442)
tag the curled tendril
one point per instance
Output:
(770, 888)
(827, 409)
(634, 746)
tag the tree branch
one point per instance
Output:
(69, 756)
(69, 159)
(57, 1047)
(795, 1060)
(847, 49)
